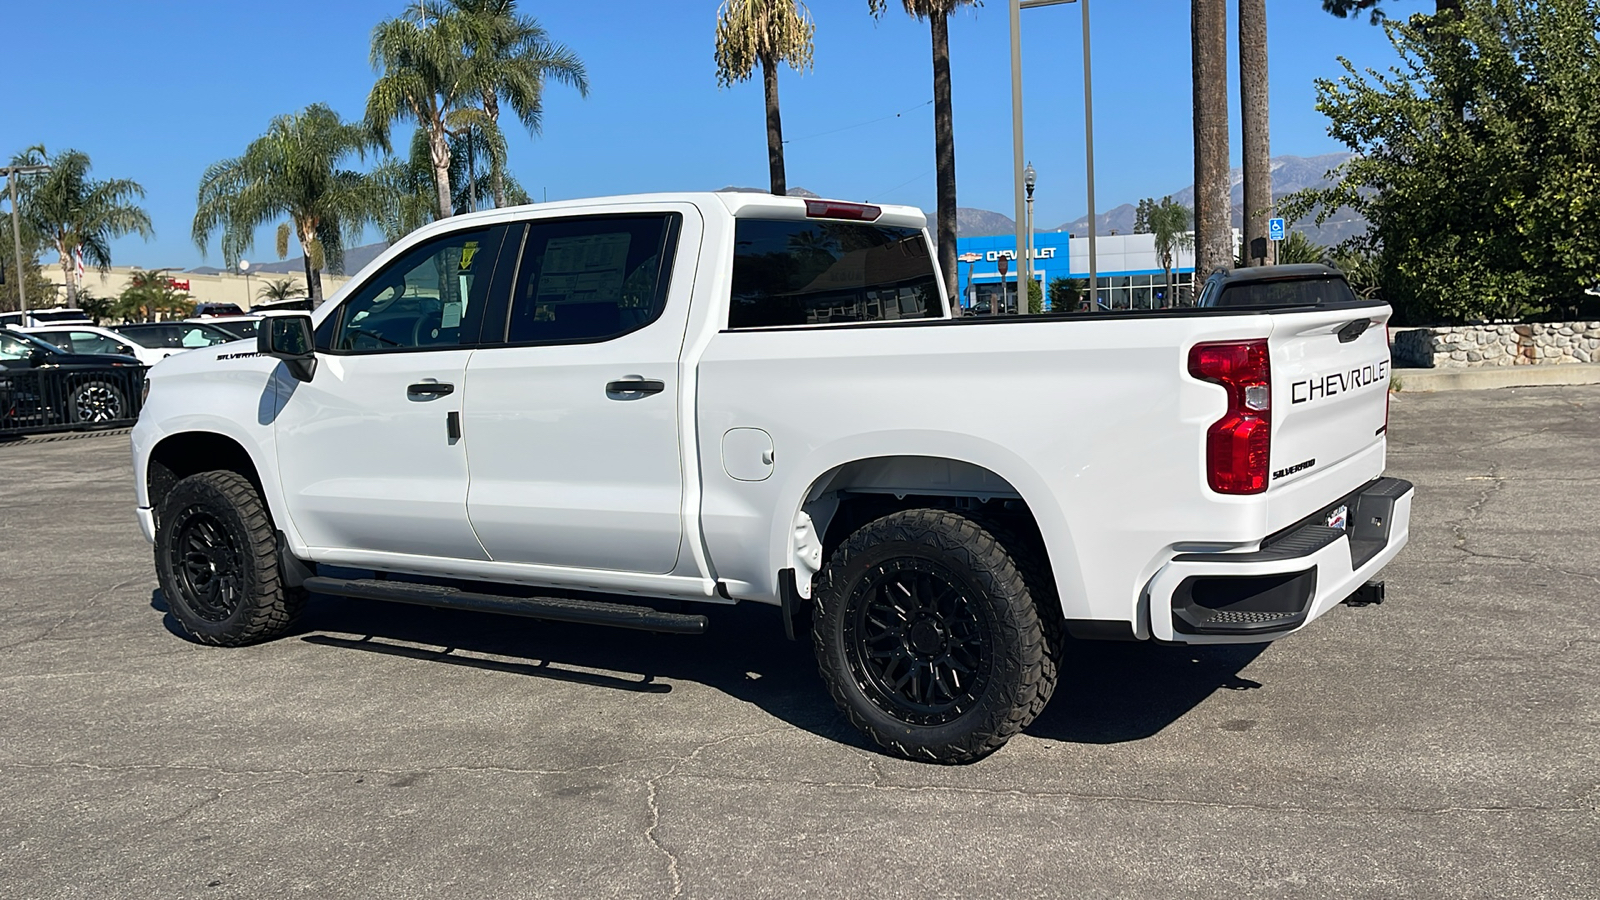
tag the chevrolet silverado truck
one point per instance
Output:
(573, 411)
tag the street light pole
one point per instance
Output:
(16, 235)
(1088, 155)
(1029, 178)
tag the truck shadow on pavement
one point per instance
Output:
(1108, 692)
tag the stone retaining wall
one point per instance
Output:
(1470, 346)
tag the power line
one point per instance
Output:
(860, 124)
(904, 183)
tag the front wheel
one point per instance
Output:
(96, 403)
(217, 561)
(929, 638)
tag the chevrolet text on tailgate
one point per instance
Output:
(576, 410)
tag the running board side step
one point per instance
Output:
(552, 609)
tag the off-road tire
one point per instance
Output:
(896, 589)
(92, 403)
(217, 561)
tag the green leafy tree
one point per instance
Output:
(98, 309)
(150, 294)
(937, 13)
(1065, 293)
(1035, 297)
(1347, 8)
(764, 33)
(510, 58)
(1478, 159)
(67, 210)
(1297, 248)
(295, 172)
(1361, 268)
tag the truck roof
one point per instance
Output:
(741, 204)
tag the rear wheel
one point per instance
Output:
(929, 638)
(217, 561)
(96, 403)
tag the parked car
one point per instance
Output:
(93, 339)
(293, 303)
(54, 316)
(174, 337)
(241, 327)
(42, 386)
(207, 310)
(558, 410)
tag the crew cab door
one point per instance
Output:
(573, 416)
(369, 450)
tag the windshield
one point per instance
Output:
(175, 335)
(1288, 292)
(19, 346)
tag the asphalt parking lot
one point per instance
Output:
(1445, 743)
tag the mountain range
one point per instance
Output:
(1289, 174)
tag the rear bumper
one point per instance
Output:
(1296, 576)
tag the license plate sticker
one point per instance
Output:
(1339, 518)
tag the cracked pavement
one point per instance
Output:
(1445, 743)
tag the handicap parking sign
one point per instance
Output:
(1275, 229)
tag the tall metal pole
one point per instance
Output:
(1024, 264)
(1088, 145)
(16, 235)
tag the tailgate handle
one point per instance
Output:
(1353, 330)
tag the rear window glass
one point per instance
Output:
(817, 273)
(1298, 292)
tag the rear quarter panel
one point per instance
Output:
(1094, 422)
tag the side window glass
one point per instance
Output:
(591, 279)
(89, 342)
(60, 339)
(815, 273)
(11, 348)
(431, 297)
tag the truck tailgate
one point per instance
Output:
(1330, 383)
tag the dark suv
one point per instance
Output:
(43, 387)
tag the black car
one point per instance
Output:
(43, 387)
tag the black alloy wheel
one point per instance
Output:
(96, 402)
(207, 565)
(217, 561)
(938, 636)
(916, 641)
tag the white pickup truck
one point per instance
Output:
(570, 411)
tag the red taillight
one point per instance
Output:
(833, 209)
(1239, 443)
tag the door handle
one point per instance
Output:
(428, 390)
(635, 386)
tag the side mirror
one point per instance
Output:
(37, 357)
(288, 337)
(126, 350)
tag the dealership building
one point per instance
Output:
(1128, 268)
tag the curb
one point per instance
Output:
(1427, 381)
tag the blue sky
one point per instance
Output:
(156, 91)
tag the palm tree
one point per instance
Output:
(293, 172)
(1170, 222)
(510, 56)
(1213, 227)
(150, 293)
(422, 76)
(1253, 127)
(66, 209)
(937, 12)
(279, 289)
(765, 33)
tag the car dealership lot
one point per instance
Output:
(1445, 743)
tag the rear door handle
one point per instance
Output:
(428, 390)
(635, 386)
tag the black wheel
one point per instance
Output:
(929, 637)
(217, 561)
(96, 403)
